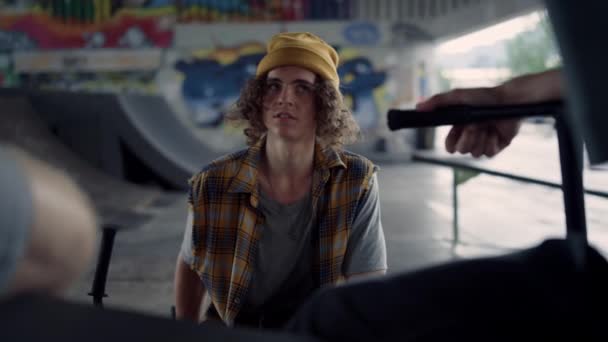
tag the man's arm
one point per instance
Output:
(61, 238)
(492, 137)
(189, 289)
(189, 292)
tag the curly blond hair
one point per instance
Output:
(336, 126)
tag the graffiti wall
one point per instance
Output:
(85, 24)
(84, 12)
(89, 45)
(211, 81)
(201, 85)
(209, 64)
(262, 10)
(159, 47)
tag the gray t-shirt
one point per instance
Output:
(283, 270)
(15, 216)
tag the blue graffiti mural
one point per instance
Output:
(362, 33)
(359, 79)
(210, 87)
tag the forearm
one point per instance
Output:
(531, 88)
(62, 235)
(189, 292)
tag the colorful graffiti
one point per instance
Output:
(213, 79)
(210, 86)
(86, 24)
(262, 10)
(362, 33)
(78, 13)
(359, 81)
(212, 82)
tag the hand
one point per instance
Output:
(485, 139)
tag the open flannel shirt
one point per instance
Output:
(224, 198)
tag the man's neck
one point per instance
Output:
(289, 160)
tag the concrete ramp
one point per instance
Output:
(116, 201)
(135, 138)
(150, 129)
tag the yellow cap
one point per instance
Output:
(301, 49)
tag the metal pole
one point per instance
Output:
(456, 237)
(571, 162)
(103, 264)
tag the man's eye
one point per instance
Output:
(302, 88)
(273, 87)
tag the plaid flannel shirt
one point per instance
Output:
(226, 223)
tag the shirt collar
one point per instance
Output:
(246, 179)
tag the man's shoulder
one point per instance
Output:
(359, 169)
(224, 167)
(227, 163)
(357, 161)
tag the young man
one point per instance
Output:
(292, 213)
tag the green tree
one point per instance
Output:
(533, 50)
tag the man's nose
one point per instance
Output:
(286, 96)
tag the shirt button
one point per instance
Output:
(237, 301)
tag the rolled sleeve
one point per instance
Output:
(366, 251)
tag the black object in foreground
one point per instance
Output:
(33, 317)
(460, 115)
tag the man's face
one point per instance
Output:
(289, 104)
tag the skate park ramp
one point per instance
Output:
(165, 144)
(123, 135)
(103, 141)
(116, 202)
